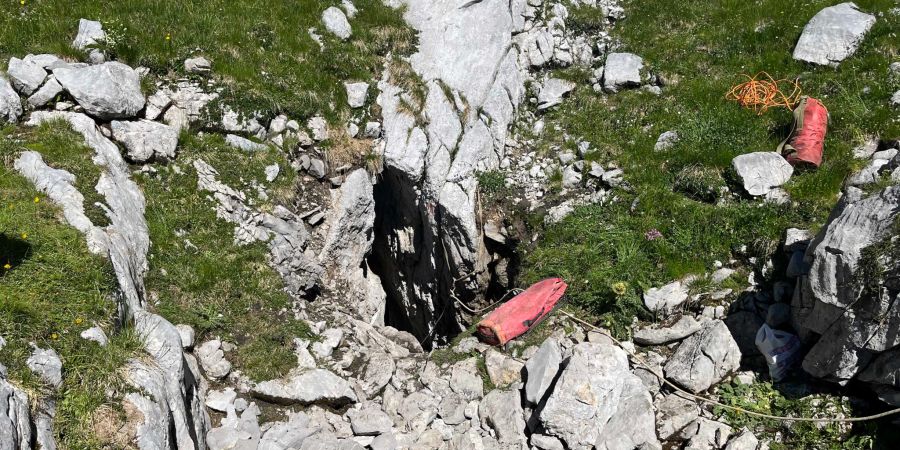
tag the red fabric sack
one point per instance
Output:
(806, 142)
(515, 317)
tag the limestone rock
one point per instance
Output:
(356, 94)
(244, 144)
(10, 103)
(212, 358)
(145, 140)
(90, 33)
(502, 411)
(45, 363)
(541, 370)
(95, 334)
(746, 440)
(26, 76)
(369, 421)
(197, 65)
(666, 141)
(658, 335)
(622, 71)
(503, 370)
(673, 413)
(316, 386)
(666, 299)
(760, 172)
(45, 94)
(833, 34)
(598, 401)
(335, 21)
(704, 358)
(106, 91)
(552, 92)
(705, 434)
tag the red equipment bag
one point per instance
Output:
(805, 144)
(517, 316)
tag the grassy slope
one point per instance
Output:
(704, 47)
(219, 288)
(261, 49)
(55, 289)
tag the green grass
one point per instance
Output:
(54, 289)
(704, 50)
(217, 287)
(261, 50)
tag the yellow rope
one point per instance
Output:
(702, 399)
(761, 92)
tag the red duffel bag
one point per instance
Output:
(515, 317)
(805, 144)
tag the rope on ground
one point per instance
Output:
(641, 362)
(761, 92)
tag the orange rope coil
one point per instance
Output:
(761, 92)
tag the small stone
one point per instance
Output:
(796, 239)
(356, 94)
(26, 76)
(220, 400)
(502, 370)
(372, 130)
(317, 168)
(45, 94)
(666, 299)
(666, 141)
(684, 327)
(212, 359)
(552, 92)
(272, 172)
(318, 127)
(145, 140)
(90, 33)
(704, 358)
(833, 34)
(622, 71)
(369, 421)
(720, 275)
(10, 103)
(95, 334)
(541, 370)
(186, 332)
(245, 144)
(46, 364)
(335, 21)
(762, 171)
(197, 65)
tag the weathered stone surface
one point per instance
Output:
(503, 370)
(666, 141)
(45, 94)
(673, 413)
(705, 434)
(90, 33)
(45, 363)
(107, 91)
(502, 411)
(145, 140)
(833, 34)
(26, 76)
(465, 380)
(704, 358)
(552, 92)
(244, 144)
(658, 335)
(854, 324)
(316, 386)
(760, 172)
(666, 299)
(622, 71)
(15, 416)
(95, 334)
(198, 64)
(10, 103)
(336, 23)
(221, 400)
(369, 421)
(746, 440)
(356, 94)
(598, 401)
(541, 370)
(212, 358)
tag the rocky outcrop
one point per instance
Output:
(429, 247)
(833, 34)
(852, 321)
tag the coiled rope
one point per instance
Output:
(761, 92)
(641, 362)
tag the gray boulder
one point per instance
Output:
(315, 386)
(107, 91)
(705, 434)
(541, 370)
(145, 140)
(197, 65)
(212, 358)
(704, 358)
(666, 299)
(26, 76)
(502, 411)
(666, 141)
(356, 94)
(552, 92)
(760, 172)
(46, 93)
(622, 71)
(15, 416)
(45, 363)
(335, 21)
(833, 34)
(855, 320)
(369, 421)
(673, 413)
(746, 440)
(599, 403)
(658, 335)
(90, 32)
(10, 103)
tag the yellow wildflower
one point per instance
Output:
(78, 320)
(619, 287)
(37, 199)
(24, 235)
(168, 37)
(7, 266)
(54, 336)
(22, 2)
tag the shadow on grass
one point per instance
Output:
(13, 252)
